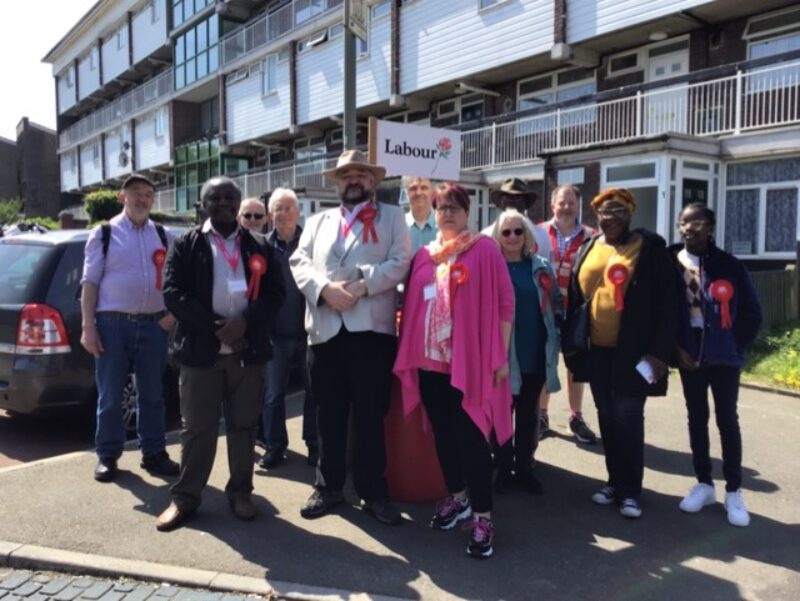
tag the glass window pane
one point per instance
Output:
(201, 32)
(202, 65)
(213, 59)
(180, 79)
(213, 30)
(626, 172)
(180, 55)
(781, 221)
(191, 49)
(741, 222)
(191, 75)
(188, 10)
(177, 14)
(758, 172)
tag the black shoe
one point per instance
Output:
(321, 502)
(160, 464)
(581, 431)
(503, 482)
(270, 459)
(544, 426)
(383, 511)
(529, 483)
(105, 470)
(313, 457)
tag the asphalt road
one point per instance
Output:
(24, 439)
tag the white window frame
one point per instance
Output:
(312, 41)
(238, 75)
(120, 36)
(456, 108)
(269, 82)
(380, 5)
(69, 77)
(494, 4)
(767, 33)
(160, 122)
(96, 153)
(639, 66)
(93, 56)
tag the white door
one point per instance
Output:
(667, 109)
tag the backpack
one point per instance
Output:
(106, 236)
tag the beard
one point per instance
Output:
(353, 194)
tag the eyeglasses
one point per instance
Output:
(615, 212)
(695, 223)
(255, 216)
(448, 208)
(517, 231)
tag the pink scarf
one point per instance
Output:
(439, 316)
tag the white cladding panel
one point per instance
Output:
(68, 165)
(250, 113)
(89, 73)
(116, 165)
(149, 29)
(151, 145)
(590, 18)
(443, 41)
(320, 75)
(115, 52)
(66, 89)
(91, 165)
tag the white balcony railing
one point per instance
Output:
(140, 97)
(763, 97)
(273, 26)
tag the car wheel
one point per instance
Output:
(130, 406)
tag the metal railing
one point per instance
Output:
(272, 26)
(139, 98)
(763, 97)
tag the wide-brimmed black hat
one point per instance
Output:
(514, 186)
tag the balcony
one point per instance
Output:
(123, 108)
(759, 98)
(273, 26)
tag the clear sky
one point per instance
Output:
(28, 30)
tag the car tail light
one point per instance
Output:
(41, 331)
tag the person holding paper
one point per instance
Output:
(453, 358)
(627, 279)
(720, 317)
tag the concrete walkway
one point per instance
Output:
(557, 546)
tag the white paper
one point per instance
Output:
(646, 370)
(237, 286)
(429, 292)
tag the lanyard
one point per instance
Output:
(571, 248)
(232, 259)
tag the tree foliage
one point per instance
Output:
(102, 205)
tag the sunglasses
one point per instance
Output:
(517, 231)
(253, 215)
(614, 212)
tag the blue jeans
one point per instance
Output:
(142, 346)
(287, 351)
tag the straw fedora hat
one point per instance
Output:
(355, 158)
(514, 187)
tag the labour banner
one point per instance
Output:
(405, 149)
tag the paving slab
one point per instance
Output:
(557, 546)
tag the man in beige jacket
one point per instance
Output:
(347, 265)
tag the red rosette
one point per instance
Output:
(159, 257)
(546, 284)
(258, 267)
(367, 217)
(617, 274)
(458, 275)
(722, 292)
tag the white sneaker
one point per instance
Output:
(699, 496)
(630, 508)
(737, 512)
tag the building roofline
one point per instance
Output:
(38, 126)
(75, 31)
(8, 141)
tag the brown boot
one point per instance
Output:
(243, 507)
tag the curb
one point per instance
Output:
(773, 390)
(18, 555)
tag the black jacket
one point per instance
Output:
(649, 323)
(188, 284)
(718, 346)
(290, 321)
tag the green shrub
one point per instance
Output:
(9, 210)
(48, 222)
(102, 205)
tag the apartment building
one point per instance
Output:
(679, 100)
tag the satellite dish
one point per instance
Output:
(123, 159)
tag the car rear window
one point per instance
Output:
(18, 266)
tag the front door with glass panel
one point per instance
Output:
(666, 109)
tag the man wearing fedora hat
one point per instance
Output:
(514, 193)
(347, 264)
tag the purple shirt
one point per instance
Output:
(126, 276)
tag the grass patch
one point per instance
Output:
(774, 358)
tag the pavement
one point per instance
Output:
(54, 516)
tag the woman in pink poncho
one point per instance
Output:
(453, 357)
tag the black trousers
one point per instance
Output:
(520, 449)
(353, 369)
(724, 383)
(464, 454)
(621, 419)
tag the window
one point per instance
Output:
(69, 78)
(121, 36)
(624, 64)
(381, 9)
(160, 119)
(306, 9)
(196, 52)
(309, 148)
(269, 76)
(93, 55)
(312, 40)
(96, 154)
(761, 207)
(484, 4)
(446, 109)
(623, 173)
(209, 115)
(154, 16)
